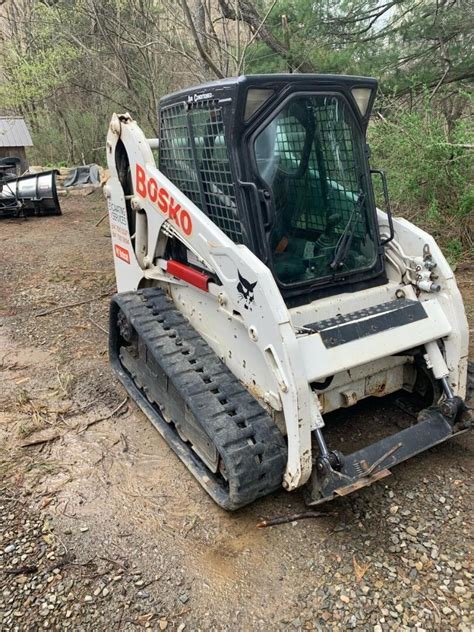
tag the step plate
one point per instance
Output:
(366, 322)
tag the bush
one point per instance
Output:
(429, 172)
(74, 138)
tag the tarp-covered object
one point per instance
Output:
(79, 176)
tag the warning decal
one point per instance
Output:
(122, 253)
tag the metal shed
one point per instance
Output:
(14, 138)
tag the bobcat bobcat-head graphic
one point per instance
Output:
(246, 291)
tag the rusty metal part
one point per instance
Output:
(362, 482)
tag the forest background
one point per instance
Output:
(66, 65)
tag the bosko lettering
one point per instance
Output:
(149, 188)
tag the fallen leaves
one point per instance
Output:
(143, 619)
(359, 569)
(52, 434)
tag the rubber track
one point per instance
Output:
(252, 448)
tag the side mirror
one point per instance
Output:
(387, 209)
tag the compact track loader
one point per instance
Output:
(259, 287)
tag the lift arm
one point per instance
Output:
(163, 210)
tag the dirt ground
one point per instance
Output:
(121, 536)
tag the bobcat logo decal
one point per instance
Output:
(246, 291)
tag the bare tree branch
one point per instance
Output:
(204, 55)
(250, 16)
(254, 36)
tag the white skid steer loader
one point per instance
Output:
(259, 287)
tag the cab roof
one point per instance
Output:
(275, 81)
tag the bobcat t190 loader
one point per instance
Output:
(260, 288)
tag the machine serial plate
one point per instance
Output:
(366, 322)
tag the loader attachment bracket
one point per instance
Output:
(366, 466)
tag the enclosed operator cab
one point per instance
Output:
(280, 164)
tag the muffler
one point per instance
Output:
(33, 194)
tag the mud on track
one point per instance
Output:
(118, 501)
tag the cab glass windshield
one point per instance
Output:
(311, 159)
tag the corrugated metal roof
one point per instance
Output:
(13, 132)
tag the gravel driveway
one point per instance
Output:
(102, 528)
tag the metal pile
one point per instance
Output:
(32, 194)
